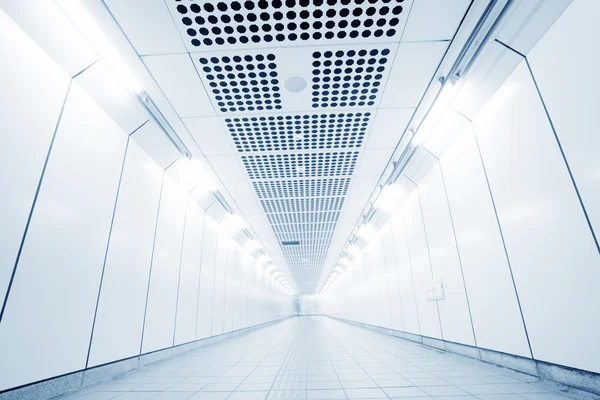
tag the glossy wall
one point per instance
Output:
(103, 257)
(507, 218)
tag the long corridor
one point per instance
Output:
(319, 358)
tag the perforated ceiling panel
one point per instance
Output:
(295, 86)
(300, 162)
(348, 76)
(262, 23)
(302, 188)
(313, 165)
(299, 131)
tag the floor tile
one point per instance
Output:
(319, 359)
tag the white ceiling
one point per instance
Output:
(364, 83)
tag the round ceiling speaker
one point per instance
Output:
(295, 84)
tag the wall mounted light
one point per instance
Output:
(387, 201)
(353, 249)
(232, 224)
(366, 232)
(443, 102)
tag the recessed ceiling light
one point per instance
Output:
(300, 169)
(295, 84)
(298, 136)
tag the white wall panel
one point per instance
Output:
(575, 120)
(377, 265)
(46, 23)
(494, 307)
(189, 276)
(249, 307)
(405, 276)
(120, 313)
(207, 279)
(100, 82)
(391, 268)
(421, 267)
(31, 84)
(240, 266)
(220, 282)
(244, 298)
(454, 309)
(50, 309)
(153, 140)
(551, 250)
(527, 21)
(166, 260)
(229, 289)
(492, 69)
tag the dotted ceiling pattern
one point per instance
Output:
(300, 138)
(242, 83)
(302, 188)
(299, 132)
(347, 78)
(312, 205)
(294, 165)
(299, 149)
(226, 24)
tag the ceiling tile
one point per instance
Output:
(388, 128)
(209, 134)
(413, 69)
(227, 168)
(178, 79)
(434, 20)
(148, 25)
(373, 162)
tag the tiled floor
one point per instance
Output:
(319, 358)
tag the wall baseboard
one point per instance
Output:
(570, 381)
(77, 380)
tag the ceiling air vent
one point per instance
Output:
(210, 24)
(299, 132)
(347, 78)
(268, 166)
(331, 187)
(243, 82)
